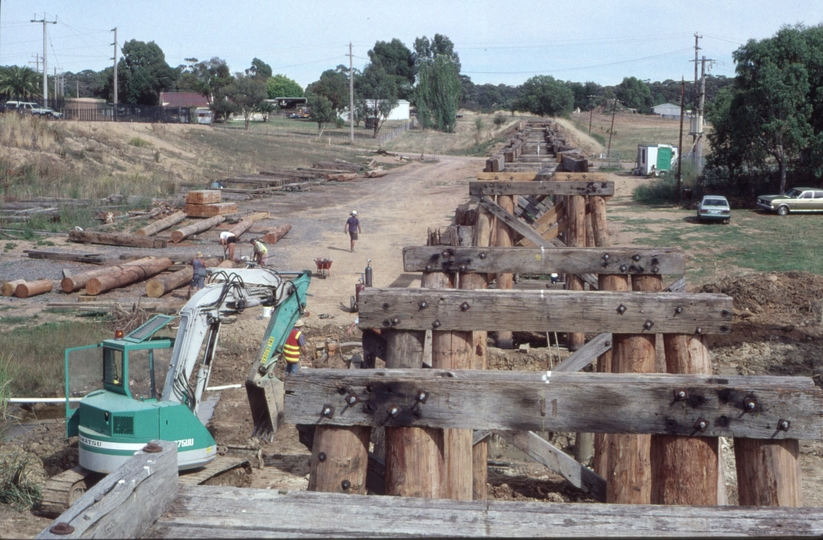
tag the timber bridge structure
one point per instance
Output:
(654, 407)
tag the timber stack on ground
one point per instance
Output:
(658, 458)
(207, 203)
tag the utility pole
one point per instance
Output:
(114, 115)
(351, 95)
(699, 143)
(44, 22)
(696, 48)
(680, 143)
(611, 131)
(591, 111)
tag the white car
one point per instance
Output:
(714, 208)
(47, 112)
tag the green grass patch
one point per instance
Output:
(35, 354)
(139, 143)
(17, 488)
(751, 242)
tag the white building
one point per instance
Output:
(400, 112)
(667, 110)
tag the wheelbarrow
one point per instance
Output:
(323, 267)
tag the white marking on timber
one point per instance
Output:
(547, 376)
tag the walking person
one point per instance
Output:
(261, 252)
(353, 227)
(295, 344)
(228, 241)
(198, 277)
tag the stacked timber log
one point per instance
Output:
(74, 283)
(161, 224)
(337, 165)
(274, 235)
(184, 232)
(207, 203)
(164, 283)
(9, 287)
(116, 239)
(126, 275)
(33, 288)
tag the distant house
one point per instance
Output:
(667, 110)
(189, 100)
(401, 111)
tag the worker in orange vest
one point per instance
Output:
(295, 344)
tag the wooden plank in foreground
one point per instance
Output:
(545, 310)
(602, 189)
(713, 406)
(224, 512)
(126, 502)
(594, 260)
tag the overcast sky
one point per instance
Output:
(498, 42)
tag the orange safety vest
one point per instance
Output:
(291, 350)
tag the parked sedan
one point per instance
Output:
(47, 112)
(799, 199)
(714, 208)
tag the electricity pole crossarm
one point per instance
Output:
(44, 22)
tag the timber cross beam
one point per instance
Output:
(455, 310)
(754, 407)
(602, 189)
(593, 260)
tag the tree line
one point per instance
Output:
(427, 75)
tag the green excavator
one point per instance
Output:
(138, 388)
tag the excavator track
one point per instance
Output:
(64, 489)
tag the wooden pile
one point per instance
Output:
(24, 289)
(207, 203)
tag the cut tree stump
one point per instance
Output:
(33, 288)
(184, 232)
(126, 276)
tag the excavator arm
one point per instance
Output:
(228, 294)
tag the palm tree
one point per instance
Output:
(19, 82)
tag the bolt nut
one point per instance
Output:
(394, 410)
(483, 255)
(698, 330)
(328, 411)
(623, 268)
(352, 399)
(345, 484)
(636, 258)
(464, 306)
(655, 269)
(606, 257)
(462, 268)
(422, 396)
(445, 253)
(436, 324)
(681, 394)
(701, 425)
(61, 528)
(152, 448)
(385, 305)
(621, 309)
(386, 323)
(321, 457)
(750, 404)
(423, 304)
(678, 310)
(395, 321)
(428, 268)
(783, 425)
(648, 324)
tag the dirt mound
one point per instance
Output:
(788, 297)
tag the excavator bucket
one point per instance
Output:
(266, 392)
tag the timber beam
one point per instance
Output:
(544, 174)
(226, 512)
(602, 189)
(589, 260)
(755, 407)
(517, 225)
(545, 310)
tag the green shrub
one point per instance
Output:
(499, 119)
(17, 488)
(139, 143)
